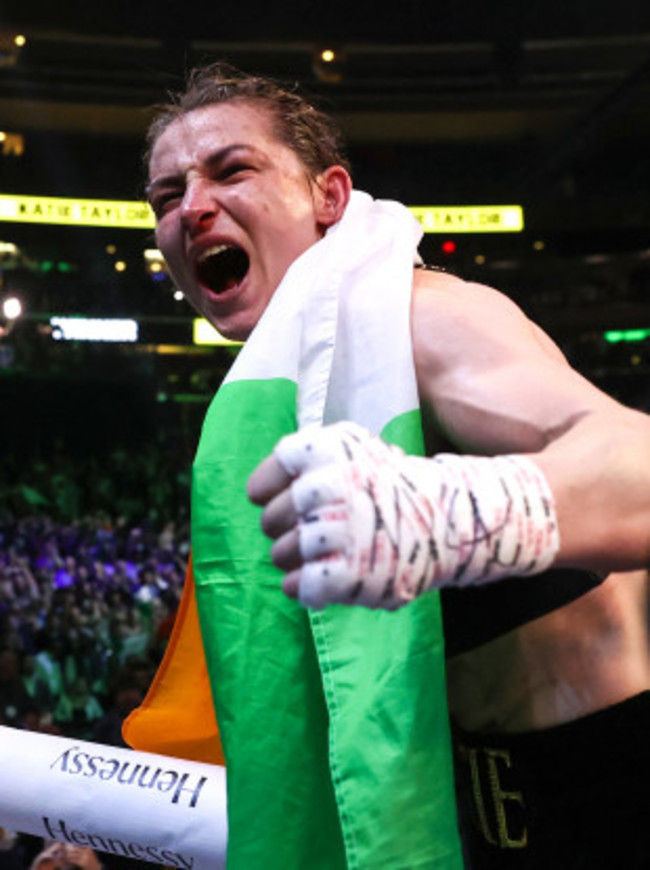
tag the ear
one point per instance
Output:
(332, 194)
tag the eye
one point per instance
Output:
(165, 201)
(232, 170)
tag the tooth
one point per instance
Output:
(210, 252)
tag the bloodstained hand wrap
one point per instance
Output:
(379, 528)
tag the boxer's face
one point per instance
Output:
(235, 207)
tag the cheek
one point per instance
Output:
(166, 239)
(295, 225)
(159, 236)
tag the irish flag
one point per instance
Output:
(333, 724)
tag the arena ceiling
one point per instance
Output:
(552, 84)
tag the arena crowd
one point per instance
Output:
(87, 603)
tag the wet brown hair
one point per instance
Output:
(310, 132)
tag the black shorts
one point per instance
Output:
(572, 797)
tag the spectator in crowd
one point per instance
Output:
(127, 692)
(14, 700)
(10, 854)
(77, 710)
(78, 652)
(66, 856)
(77, 599)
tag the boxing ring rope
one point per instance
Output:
(133, 804)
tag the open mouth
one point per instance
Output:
(222, 267)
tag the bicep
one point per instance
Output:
(490, 380)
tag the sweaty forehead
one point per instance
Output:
(192, 138)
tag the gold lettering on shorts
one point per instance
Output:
(471, 756)
(498, 798)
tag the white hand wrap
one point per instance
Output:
(378, 527)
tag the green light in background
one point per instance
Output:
(615, 335)
(191, 398)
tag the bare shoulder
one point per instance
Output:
(454, 310)
(489, 378)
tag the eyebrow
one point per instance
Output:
(213, 159)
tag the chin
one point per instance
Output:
(238, 325)
(236, 334)
(234, 328)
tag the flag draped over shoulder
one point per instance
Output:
(333, 723)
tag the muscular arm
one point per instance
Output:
(494, 383)
(355, 522)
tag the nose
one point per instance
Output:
(198, 209)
